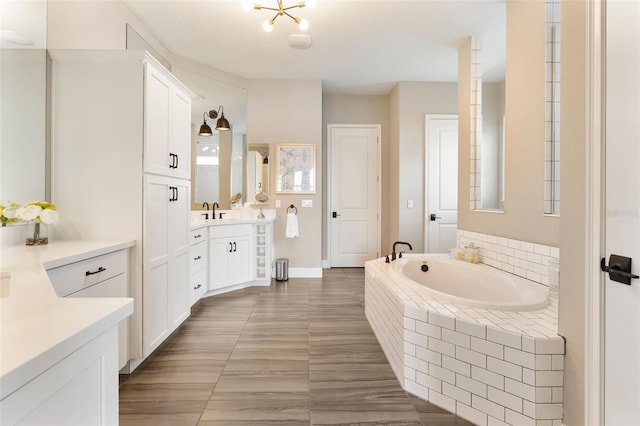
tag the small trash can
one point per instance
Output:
(282, 269)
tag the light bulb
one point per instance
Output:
(303, 24)
(247, 5)
(267, 25)
(311, 3)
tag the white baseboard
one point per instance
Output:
(325, 264)
(305, 272)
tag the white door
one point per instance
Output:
(622, 302)
(353, 194)
(442, 182)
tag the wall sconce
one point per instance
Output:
(221, 124)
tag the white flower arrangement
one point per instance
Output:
(8, 213)
(42, 211)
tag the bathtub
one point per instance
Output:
(474, 340)
(463, 283)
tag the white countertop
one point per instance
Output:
(232, 217)
(38, 328)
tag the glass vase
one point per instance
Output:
(37, 239)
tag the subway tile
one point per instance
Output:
(529, 409)
(409, 324)
(442, 374)
(488, 377)
(428, 329)
(417, 389)
(409, 348)
(471, 385)
(409, 373)
(505, 399)
(553, 346)
(442, 347)
(458, 366)
(442, 320)
(543, 362)
(528, 376)
(504, 368)
(458, 339)
(495, 422)
(456, 393)
(429, 355)
(524, 359)
(526, 246)
(520, 389)
(504, 338)
(416, 339)
(415, 313)
(549, 378)
(548, 411)
(488, 407)
(471, 414)
(415, 363)
(429, 381)
(544, 395)
(557, 395)
(514, 418)
(471, 357)
(476, 330)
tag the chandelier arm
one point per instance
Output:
(299, 5)
(296, 20)
(269, 8)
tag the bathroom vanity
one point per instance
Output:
(60, 354)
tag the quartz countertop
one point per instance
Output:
(232, 217)
(38, 328)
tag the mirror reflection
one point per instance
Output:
(257, 170)
(218, 160)
(23, 104)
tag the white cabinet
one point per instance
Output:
(166, 264)
(166, 126)
(99, 276)
(199, 258)
(230, 255)
(120, 152)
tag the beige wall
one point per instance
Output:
(525, 107)
(572, 287)
(356, 109)
(414, 100)
(290, 111)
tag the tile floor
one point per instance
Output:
(294, 353)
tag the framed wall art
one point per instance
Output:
(296, 168)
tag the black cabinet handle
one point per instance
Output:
(197, 258)
(235, 247)
(172, 196)
(100, 269)
(230, 247)
(197, 236)
(175, 188)
(197, 287)
(174, 160)
(177, 157)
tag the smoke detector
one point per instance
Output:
(300, 41)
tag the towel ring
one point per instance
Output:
(292, 207)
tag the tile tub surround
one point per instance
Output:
(521, 258)
(489, 367)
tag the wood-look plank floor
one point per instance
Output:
(294, 353)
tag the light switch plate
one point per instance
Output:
(409, 204)
(278, 204)
(307, 203)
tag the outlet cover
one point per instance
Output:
(307, 203)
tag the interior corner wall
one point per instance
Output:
(356, 109)
(296, 106)
(525, 127)
(415, 99)
(573, 242)
(391, 174)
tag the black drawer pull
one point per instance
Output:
(197, 287)
(197, 258)
(100, 269)
(197, 236)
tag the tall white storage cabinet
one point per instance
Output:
(121, 132)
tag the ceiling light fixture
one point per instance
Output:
(221, 124)
(303, 24)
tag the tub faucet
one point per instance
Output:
(206, 214)
(393, 253)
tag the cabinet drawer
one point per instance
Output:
(199, 285)
(76, 276)
(197, 235)
(224, 231)
(198, 255)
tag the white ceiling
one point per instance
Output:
(359, 46)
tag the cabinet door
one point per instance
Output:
(241, 265)
(178, 228)
(157, 97)
(180, 128)
(219, 253)
(155, 263)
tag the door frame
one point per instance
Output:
(378, 128)
(425, 213)
(595, 175)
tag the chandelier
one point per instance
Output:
(303, 24)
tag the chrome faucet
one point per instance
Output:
(213, 210)
(393, 253)
(206, 214)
